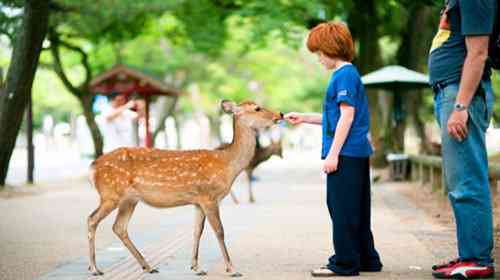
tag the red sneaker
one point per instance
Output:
(465, 270)
(445, 265)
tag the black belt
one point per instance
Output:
(442, 85)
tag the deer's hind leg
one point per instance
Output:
(93, 221)
(125, 211)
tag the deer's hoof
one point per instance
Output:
(200, 273)
(97, 273)
(150, 270)
(236, 274)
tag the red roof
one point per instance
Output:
(126, 80)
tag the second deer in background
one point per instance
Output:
(261, 154)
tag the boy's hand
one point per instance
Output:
(330, 164)
(294, 118)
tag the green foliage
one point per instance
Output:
(222, 46)
(496, 91)
(203, 22)
(10, 17)
(107, 20)
(49, 98)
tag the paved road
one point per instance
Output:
(283, 236)
(52, 166)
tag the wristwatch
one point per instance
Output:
(459, 107)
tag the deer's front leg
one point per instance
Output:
(251, 198)
(199, 224)
(213, 215)
(233, 196)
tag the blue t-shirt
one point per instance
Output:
(346, 86)
(461, 18)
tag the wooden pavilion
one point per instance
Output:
(127, 81)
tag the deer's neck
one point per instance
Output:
(241, 151)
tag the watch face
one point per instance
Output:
(459, 107)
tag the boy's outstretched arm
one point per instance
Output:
(298, 118)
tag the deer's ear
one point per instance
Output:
(229, 107)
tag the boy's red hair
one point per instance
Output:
(333, 39)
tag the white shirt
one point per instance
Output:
(118, 132)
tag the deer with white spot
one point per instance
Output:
(167, 178)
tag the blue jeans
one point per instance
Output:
(465, 167)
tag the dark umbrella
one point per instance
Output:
(396, 78)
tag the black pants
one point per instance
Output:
(348, 200)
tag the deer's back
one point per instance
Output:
(162, 178)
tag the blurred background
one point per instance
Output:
(190, 55)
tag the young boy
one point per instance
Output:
(346, 151)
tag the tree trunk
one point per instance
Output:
(164, 116)
(412, 53)
(81, 92)
(20, 77)
(363, 22)
(86, 101)
(215, 122)
(177, 125)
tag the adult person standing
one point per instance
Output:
(346, 151)
(460, 78)
(118, 122)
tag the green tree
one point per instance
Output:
(17, 90)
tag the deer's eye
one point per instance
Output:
(257, 109)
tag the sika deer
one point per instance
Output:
(166, 178)
(261, 155)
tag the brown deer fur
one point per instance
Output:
(167, 178)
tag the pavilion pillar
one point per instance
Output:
(148, 138)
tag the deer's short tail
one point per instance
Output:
(92, 174)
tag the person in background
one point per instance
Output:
(118, 122)
(346, 151)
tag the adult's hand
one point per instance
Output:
(457, 124)
(294, 118)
